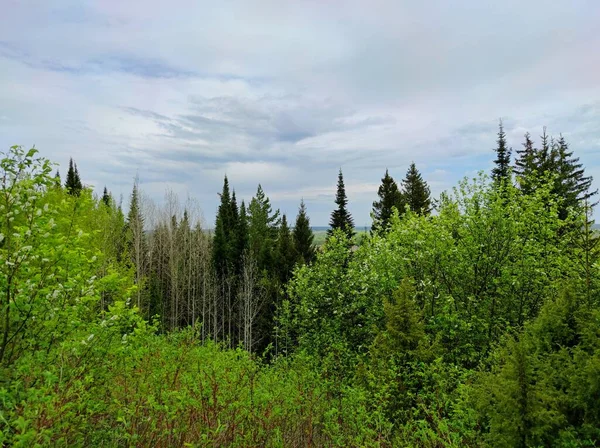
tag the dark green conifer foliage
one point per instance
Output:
(526, 165)
(389, 197)
(106, 197)
(225, 228)
(286, 253)
(571, 184)
(501, 172)
(415, 191)
(73, 182)
(341, 218)
(303, 236)
(554, 158)
(57, 179)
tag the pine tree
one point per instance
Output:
(341, 218)
(415, 191)
(106, 197)
(286, 253)
(303, 236)
(57, 180)
(73, 182)
(501, 172)
(389, 197)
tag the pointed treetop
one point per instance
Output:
(501, 171)
(73, 183)
(303, 236)
(341, 217)
(415, 191)
(389, 197)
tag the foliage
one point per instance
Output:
(341, 219)
(415, 191)
(389, 198)
(303, 236)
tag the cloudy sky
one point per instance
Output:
(285, 93)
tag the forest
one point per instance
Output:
(468, 319)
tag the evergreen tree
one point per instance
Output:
(389, 197)
(415, 191)
(225, 227)
(262, 229)
(135, 240)
(303, 236)
(570, 183)
(57, 180)
(341, 218)
(554, 158)
(73, 182)
(286, 253)
(525, 164)
(501, 172)
(106, 197)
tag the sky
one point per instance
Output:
(285, 93)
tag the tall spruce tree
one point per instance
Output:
(554, 160)
(570, 183)
(286, 252)
(415, 191)
(525, 164)
(262, 229)
(341, 218)
(389, 197)
(225, 228)
(73, 183)
(303, 236)
(501, 172)
(135, 239)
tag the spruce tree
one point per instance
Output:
(415, 191)
(525, 164)
(570, 184)
(501, 172)
(341, 218)
(106, 197)
(73, 183)
(224, 229)
(389, 197)
(57, 180)
(303, 236)
(286, 253)
(135, 240)
(262, 229)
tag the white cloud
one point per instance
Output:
(284, 93)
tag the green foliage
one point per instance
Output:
(415, 192)
(544, 387)
(73, 183)
(341, 219)
(389, 198)
(303, 236)
(478, 326)
(501, 171)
